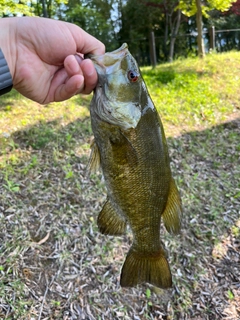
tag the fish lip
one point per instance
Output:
(123, 50)
(109, 58)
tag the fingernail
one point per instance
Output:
(80, 83)
(89, 70)
(78, 58)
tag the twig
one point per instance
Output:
(44, 297)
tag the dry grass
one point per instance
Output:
(54, 264)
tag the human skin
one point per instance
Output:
(45, 57)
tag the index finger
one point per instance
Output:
(85, 42)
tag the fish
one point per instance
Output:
(131, 149)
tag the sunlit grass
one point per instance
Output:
(196, 93)
(18, 112)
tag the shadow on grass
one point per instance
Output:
(8, 100)
(54, 196)
(168, 74)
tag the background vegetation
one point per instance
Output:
(116, 21)
(54, 263)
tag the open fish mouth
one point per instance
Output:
(118, 92)
(109, 58)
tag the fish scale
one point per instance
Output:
(132, 150)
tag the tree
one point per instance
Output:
(201, 8)
(49, 8)
(172, 22)
(137, 21)
(226, 20)
(140, 17)
(15, 8)
(235, 8)
(201, 50)
(94, 16)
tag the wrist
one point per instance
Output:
(5, 75)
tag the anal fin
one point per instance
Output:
(110, 222)
(140, 268)
(173, 210)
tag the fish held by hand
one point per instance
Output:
(131, 148)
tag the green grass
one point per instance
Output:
(196, 93)
(54, 264)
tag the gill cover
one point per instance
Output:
(118, 93)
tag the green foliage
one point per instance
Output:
(189, 7)
(94, 17)
(221, 5)
(15, 8)
(53, 8)
(148, 293)
(11, 185)
(115, 22)
(138, 19)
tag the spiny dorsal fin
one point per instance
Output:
(173, 210)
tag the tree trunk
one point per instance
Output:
(201, 50)
(44, 8)
(165, 36)
(174, 33)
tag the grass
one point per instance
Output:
(193, 94)
(54, 264)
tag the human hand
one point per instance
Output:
(45, 58)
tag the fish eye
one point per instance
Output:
(132, 76)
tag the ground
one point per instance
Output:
(54, 263)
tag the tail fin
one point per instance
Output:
(139, 268)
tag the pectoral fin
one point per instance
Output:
(94, 160)
(173, 210)
(110, 222)
(123, 149)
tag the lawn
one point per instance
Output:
(54, 263)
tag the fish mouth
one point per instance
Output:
(109, 58)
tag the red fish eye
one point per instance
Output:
(132, 76)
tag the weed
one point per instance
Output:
(10, 185)
(230, 295)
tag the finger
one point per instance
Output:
(72, 65)
(85, 42)
(76, 65)
(64, 87)
(90, 76)
(73, 85)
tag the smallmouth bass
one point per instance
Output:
(131, 148)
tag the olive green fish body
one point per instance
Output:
(135, 164)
